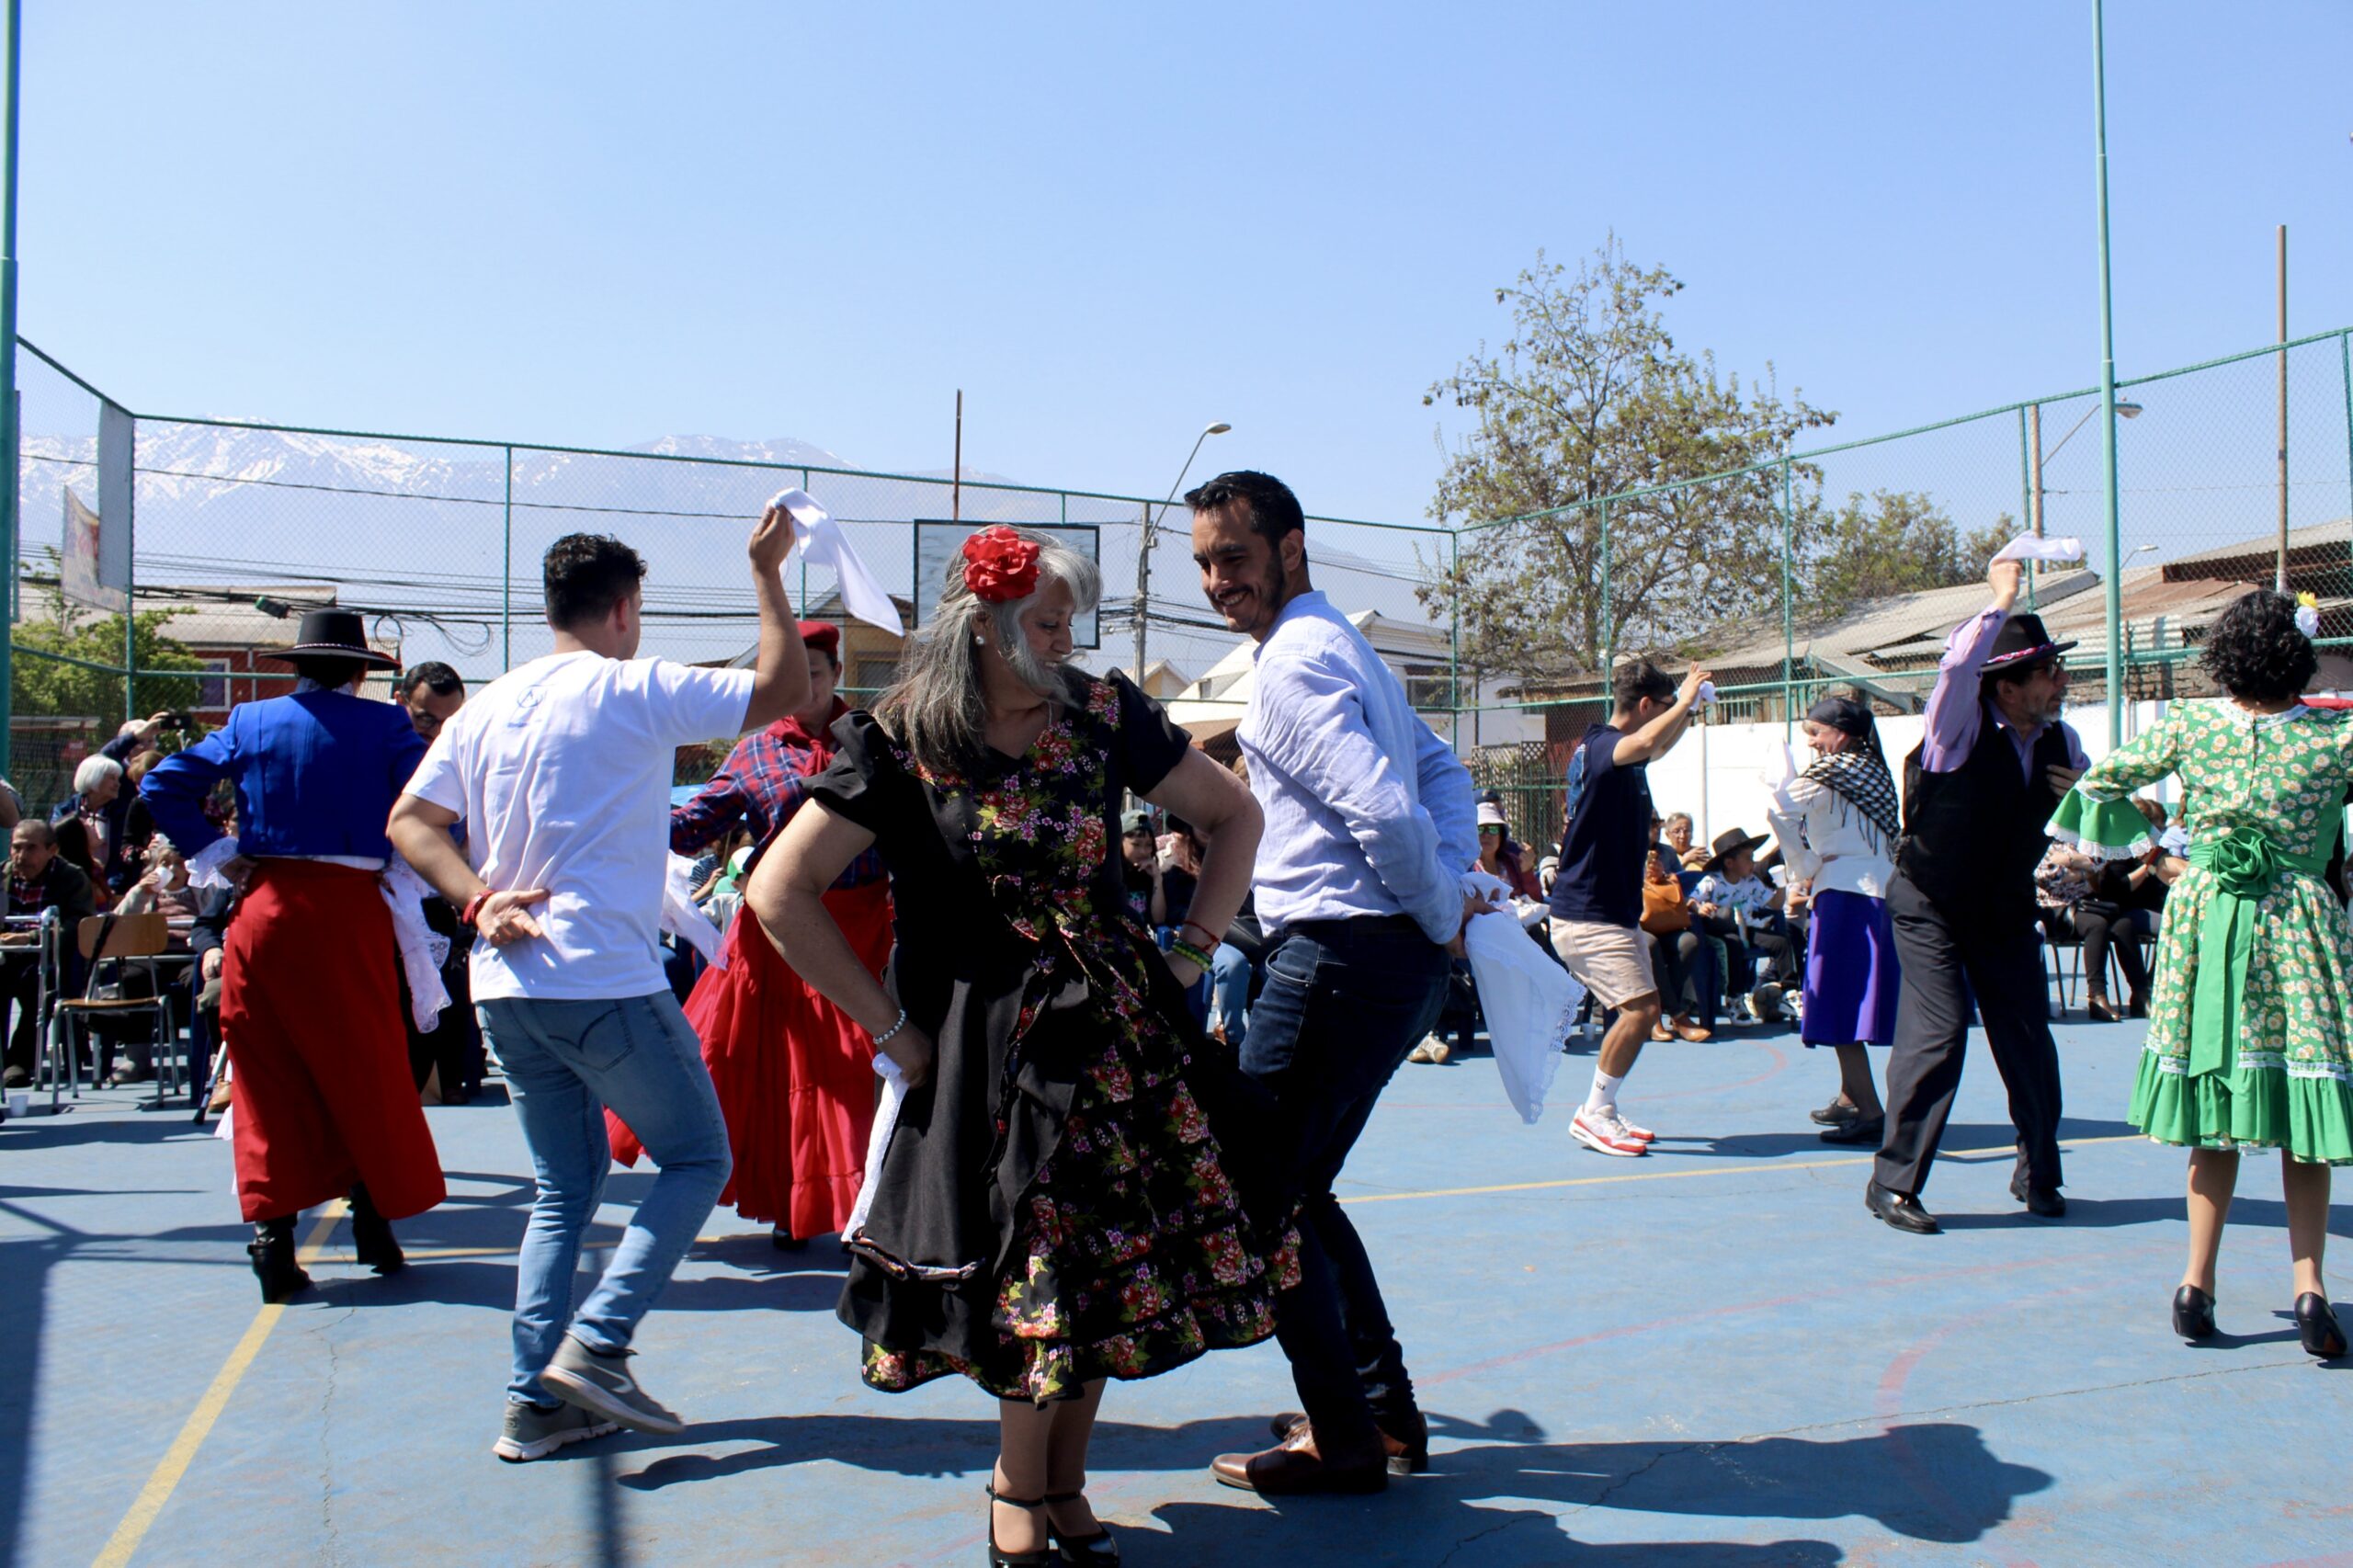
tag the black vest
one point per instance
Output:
(1973, 837)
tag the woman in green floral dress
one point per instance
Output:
(2250, 1041)
(1064, 1196)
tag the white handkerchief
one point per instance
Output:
(822, 543)
(2028, 547)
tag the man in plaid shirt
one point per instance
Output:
(767, 776)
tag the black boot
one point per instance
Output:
(371, 1235)
(272, 1250)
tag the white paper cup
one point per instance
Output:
(20, 1102)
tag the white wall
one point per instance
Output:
(1715, 770)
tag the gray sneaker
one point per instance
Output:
(602, 1386)
(534, 1434)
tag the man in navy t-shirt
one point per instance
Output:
(1597, 898)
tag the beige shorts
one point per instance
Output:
(1611, 961)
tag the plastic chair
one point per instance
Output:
(118, 939)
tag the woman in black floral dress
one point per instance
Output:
(1065, 1197)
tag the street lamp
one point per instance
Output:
(1151, 529)
(2124, 406)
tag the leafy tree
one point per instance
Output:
(72, 632)
(1591, 397)
(1886, 543)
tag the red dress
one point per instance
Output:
(795, 1076)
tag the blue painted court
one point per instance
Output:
(1708, 1357)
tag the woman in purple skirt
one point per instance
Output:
(1837, 823)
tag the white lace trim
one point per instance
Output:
(2261, 1061)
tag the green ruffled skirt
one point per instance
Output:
(2290, 1085)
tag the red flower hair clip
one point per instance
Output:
(1000, 566)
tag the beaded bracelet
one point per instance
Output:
(1184, 949)
(893, 1029)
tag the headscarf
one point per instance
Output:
(1856, 774)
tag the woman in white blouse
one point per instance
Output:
(1837, 823)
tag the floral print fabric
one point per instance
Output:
(2289, 1082)
(1132, 1255)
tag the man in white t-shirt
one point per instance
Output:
(560, 769)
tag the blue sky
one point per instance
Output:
(599, 224)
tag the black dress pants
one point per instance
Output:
(1345, 1000)
(1947, 959)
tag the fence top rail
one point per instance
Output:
(2333, 334)
(217, 422)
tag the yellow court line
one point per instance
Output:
(1730, 1169)
(174, 1462)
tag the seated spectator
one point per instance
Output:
(38, 878)
(162, 889)
(72, 836)
(103, 805)
(1741, 909)
(1500, 857)
(2082, 900)
(162, 886)
(1682, 963)
(1689, 857)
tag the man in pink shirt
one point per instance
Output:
(1978, 791)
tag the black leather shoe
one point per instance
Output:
(2043, 1201)
(2193, 1314)
(1900, 1209)
(1837, 1113)
(1404, 1440)
(2317, 1325)
(371, 1236)
(1869, 1133)
(2100, 1010)
(1096, 1547)
(785, 1241)
(272, 1250)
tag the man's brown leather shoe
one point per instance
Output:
(1295, 1467)
(1407, 1455)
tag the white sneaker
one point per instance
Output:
(1604, 1133)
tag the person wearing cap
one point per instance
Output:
(794, 1074)
(1140, 878)
(1979, 789)
(1596, 904)
(1736, 906)
(1837, 823)
(322, 1103)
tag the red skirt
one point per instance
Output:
(310, 1012)
(795, 1076)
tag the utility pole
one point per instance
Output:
(9, 433)
(2281, 575)
(2115, 585)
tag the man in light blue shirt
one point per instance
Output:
(1370, 828)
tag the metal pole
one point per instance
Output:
(1609, 626)
(2034, 496)
(2281, 574)
(1143, 590)
(2115, 585)
(2345, 358)
(956, 475)
(131, 600)
(1789, 624)
(8, 405)
(1454, 645)
(507, 574)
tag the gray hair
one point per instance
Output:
(94, 771)
(936, 705)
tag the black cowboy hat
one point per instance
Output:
(330, 634)
(1730, 841)
(2021, 641)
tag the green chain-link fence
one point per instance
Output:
(437, 541)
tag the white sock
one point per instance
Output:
(1604, 1091)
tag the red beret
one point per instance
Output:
(823, 636)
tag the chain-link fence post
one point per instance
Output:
(1609, 624)
(2026, 499)
(1788, 618)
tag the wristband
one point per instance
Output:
(1209, 938)
(466, 916)
(893, 1029)
(1179, 948)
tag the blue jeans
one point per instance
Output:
(1345, 1000)
(564, 1062)
(1230, 983)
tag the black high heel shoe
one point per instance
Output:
(2317, 1325)
(1000, 1558)
(272, 1250)
(1098, 1548)
(371, 1236)
(2193, 1314)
